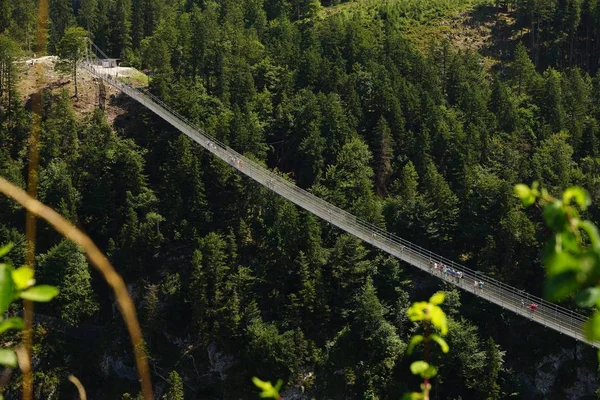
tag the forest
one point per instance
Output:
(230, 280)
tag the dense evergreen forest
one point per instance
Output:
(232, 281)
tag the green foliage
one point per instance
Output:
(176, 389)
(17, 284)
(341, 101)
(71, 50)
(268, 391)
(66, 267)
(572, 255)
(430, 314)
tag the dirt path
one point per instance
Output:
(88, 87)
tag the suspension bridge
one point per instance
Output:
(548, 314)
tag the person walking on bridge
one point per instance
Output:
(532, 308)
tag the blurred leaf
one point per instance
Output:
(415, 340)
(591, 328)
(588, 297)
(580, 195)
(267, 389)
(42, 293)
(567, 241)
(418, 367)
(560, 286)
(589, 266)
(559, 263)
(11, 323)
(23, 277)
(524, 193)
(5, 249)
(437, 298)
(412, 396)
(416, 312)
(429, 373)
(8, 358)
(438, 319)
(439, 340)
(555, 216)
(592, 233)
(6, 288)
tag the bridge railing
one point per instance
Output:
(550, 314)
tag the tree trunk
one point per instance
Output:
(75, 79)
(571, 48)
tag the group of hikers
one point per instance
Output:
(439, 268)
(235, 161)
(211, 145)
(457, 276)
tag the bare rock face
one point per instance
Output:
(562, 375)
(116, 365)
(219, 361)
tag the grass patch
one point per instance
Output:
(136, 79)
(423, 21)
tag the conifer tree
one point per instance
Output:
(176, 388)
(383, 156)
(71, 50)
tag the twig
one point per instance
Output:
(98, 259)
(73, 379)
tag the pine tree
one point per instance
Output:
(121, 32)
(494, 363)
(71, 50)
(383, 156)
(88, 15)
(66, 267)
(523, 71)
(176, 389)
(61, 18)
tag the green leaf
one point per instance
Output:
(5, 249)
(567, 241)
(416, 312)
(23, 277)
(11, 323)
(415, 340)
(429, 373)
(588, 297)
(418, 367)
(580, 195)
(438, 319)
(556, 216)
(561, 286)
(439, 340)
(8, 358)
(559, 262)
(437, 298)
(6, 288)
(268, 391)
(524, 193)
(42, 293)
(591, 231)
(591, 328)
(410, 396)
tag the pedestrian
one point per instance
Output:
(522, 302)
(475, 284)
(480, 284)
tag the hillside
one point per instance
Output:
(376, 107)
